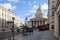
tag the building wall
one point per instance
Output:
(56, 26)
(6, 15)
(57, 13)
(51, 3)
(29, 24)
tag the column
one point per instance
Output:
(32, 23)
(39, 23)
(36, 23)
(42, 22)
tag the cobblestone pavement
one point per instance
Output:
(42, 35)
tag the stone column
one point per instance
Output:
(32, 23)
(42, 22)
(39, 23)
(36, 23)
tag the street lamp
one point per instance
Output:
(26, 21)
(13, 18)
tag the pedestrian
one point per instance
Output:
(18, 30)
(30, 31)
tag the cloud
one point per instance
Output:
(24, 2)
(23, 20)
(44, 6)
(1, 0)
(13, 0)
(34, 8)
(8, 6)
(30, 4)
(34, 1)
(30, 15)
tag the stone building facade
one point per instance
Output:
(5, 16)
(57, 19)
(51, 14)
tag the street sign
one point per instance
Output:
(9, 21)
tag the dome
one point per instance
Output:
(39, 12)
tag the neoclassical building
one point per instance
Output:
(5, 16)
(38, 20)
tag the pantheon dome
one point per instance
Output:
(39, 13)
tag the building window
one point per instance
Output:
(2, 23)
(52, 22)
(53, 6)
(52, 13)
(5, 15)
(53, 1)
(5, 23)
(2, 14)
(52, 27)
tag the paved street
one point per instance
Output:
(4, 35)
(7, 34)
(42, 35)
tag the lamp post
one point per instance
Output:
(13, 18)
(26, 21)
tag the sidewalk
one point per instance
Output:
(42, 35)
(46, 35)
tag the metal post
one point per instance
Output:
(13, 27)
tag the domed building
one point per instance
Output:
(38, 20)
(39, 13)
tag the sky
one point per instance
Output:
(25, 8)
